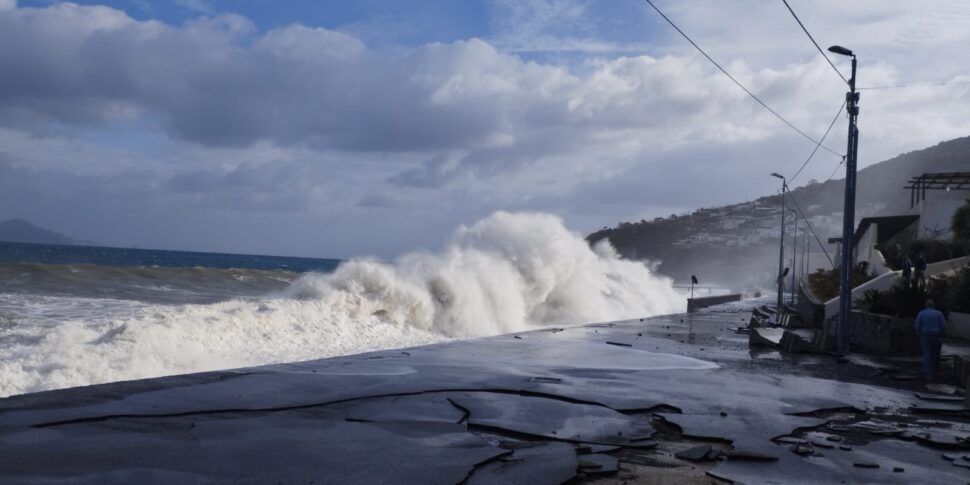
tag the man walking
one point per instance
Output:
(929, 328)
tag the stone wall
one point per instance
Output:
(870, 333)
(958, 325)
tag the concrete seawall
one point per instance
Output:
(694, 304)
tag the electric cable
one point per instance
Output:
(809, 200)
(746, 90)
(915, 85)
(820, 51)
(819, 191)
(815, 150)
(810, 228)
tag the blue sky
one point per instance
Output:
(412, 22)
(347, 128)
(391, 23)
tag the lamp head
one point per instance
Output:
(837, 49)
(773, 174)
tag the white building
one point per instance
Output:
(876, 232)
(935, 197)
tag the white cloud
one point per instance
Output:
(215, 118)
(550, 26)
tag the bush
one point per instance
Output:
(936, 250)
(825, 283)
(960, 225)
(902, 302)
(958, 296)
(933, 250)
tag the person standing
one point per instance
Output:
(907, 267)
(919, 276)
(929, 328)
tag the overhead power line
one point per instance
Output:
(915, 85)
(819, 191)
(809, 201)
(820, 51)
(815, 150)
(746, 90)
(812, 229)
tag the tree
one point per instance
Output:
(961, 223)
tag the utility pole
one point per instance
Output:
(781, 250)
(794, 246)
(848, 214)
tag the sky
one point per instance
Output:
(376, 127)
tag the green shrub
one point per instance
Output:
(825, 283)
(958, 296)
(900, 301)
(960, 225)
(933, 250)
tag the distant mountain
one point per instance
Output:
(737, 245)
(881, 185)
(21, 231)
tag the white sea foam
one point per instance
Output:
(508, 272)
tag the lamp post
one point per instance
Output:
(848, 214)
(781, 249)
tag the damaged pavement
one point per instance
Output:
(674, 396)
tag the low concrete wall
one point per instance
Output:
(870, 333)
(694, 304)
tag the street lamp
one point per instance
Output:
(848, 221)
(781, 248)
(837, 49)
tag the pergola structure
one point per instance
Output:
(936, 181)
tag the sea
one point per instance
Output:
(148, 275)
(83, 315)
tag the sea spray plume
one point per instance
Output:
(507, 272)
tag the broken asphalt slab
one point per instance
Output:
(553, 418)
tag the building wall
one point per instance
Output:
(865, 247)
(936, 213)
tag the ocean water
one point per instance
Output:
(78, 315)
(148, 275)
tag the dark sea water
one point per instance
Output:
(149, 275)
(105, 256)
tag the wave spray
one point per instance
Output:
(508, 272)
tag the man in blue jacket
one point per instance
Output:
(929, 327)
